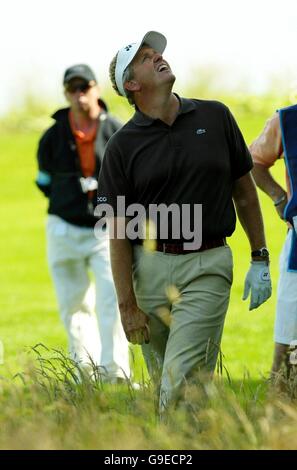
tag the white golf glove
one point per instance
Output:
(258, 282)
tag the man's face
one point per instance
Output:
(81, 95)
(150, 70)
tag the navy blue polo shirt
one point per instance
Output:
(194, 161)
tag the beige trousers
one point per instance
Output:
(186, 298)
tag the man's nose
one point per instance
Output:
(79, 92)
(158, 57)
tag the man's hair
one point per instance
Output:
(128, 75)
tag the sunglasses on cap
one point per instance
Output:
(82, 87)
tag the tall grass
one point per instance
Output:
(53, 404)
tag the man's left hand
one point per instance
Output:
(257, 282)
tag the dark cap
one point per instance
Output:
(79, 71)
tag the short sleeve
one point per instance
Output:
(267, 148)
(113, 186)
(241, 160)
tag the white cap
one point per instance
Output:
(125, 55)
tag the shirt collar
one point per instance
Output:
(141, 119)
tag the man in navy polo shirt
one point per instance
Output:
(179, 153)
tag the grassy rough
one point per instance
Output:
(54, 405)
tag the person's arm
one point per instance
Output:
(267, 183)
(265, 150)
(135, 321)
(248, 210)
(44, 179)
(249, 213)
(112, 183)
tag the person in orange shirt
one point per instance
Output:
(265, 150)
(69, 159)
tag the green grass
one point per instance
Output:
(27, 301)
(51, 405)
(33, 417)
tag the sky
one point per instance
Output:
(250, 40)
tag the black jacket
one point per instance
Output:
(60, 170)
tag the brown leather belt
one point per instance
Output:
(178, 248)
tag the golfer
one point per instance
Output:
(187, 153)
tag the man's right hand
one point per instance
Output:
(136, 325)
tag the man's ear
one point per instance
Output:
(132, 85)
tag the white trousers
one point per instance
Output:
(285, 330)
(72, 252)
